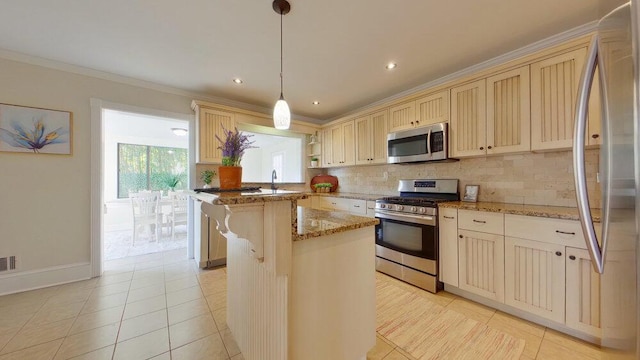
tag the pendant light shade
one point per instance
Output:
(281, 112)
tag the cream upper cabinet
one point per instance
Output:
(402, 116)
(534, 277)
(339, 145)
(430, 109)
(448, 242)
(583, 293)
(327, 153)
(491, 116)
(371, 138)
(468, 120)
(508, 112)
(554, 89)
(211, 123)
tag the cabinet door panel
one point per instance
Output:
(433, 109)
(583, 293)
(363, 140)
(348, 143)
(379, 137)
(508, 112)
(327, 148)
(336, 145)
(554, 88)
(468, 120)
(534, 277)
(448, 242)
(402, 116)
(481, 264)
(211, 123)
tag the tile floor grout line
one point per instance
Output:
(115, 344)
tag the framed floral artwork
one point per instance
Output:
(33, 130)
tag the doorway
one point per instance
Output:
(145, 163)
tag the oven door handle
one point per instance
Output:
(416, 219)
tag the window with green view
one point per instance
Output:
(142, 167)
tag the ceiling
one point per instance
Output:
(335, 51)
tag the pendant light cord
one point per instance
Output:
(281, 81)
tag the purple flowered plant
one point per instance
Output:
(233, 146)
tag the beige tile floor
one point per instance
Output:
(160, 306)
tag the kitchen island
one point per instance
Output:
(301, 282)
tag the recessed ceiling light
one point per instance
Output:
(316, 102)
(237, 81)
(179, 131)
(391, 66)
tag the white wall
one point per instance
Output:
(45, 199)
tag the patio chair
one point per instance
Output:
(146, 213)
(178, 213)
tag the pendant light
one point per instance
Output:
(281, 112)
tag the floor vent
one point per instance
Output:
(7, 263)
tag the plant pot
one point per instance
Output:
(314, 163)
(230, 177)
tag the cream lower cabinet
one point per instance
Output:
(535, 277)
(448, 245)
(582, 292)
(354, 206)
(481, 264)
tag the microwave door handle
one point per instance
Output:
(429, 142)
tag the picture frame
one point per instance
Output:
(32, 130)
(471, 193)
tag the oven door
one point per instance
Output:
(416, 236)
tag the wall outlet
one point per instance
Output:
(7, 263)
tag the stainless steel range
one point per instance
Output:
(407, 236)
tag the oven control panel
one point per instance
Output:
(407, 209)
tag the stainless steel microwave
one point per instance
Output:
(428, 143)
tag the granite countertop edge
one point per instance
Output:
(553, 212)
(312, 221)
(238, 198)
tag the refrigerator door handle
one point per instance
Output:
(584, 210)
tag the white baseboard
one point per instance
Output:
(40, 278)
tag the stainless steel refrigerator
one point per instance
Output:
(613, 54)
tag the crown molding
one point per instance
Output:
(80, 70)
(551, 41)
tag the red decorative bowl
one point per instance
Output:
(324, 179)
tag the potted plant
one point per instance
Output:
(314, 162)
(173, 180)
(233, 148)
(206, 176)
(323, 187)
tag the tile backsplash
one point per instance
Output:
(532, 178)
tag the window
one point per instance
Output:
(142, 167)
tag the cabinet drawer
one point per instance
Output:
(356, 206)
(555, 231)
(486, 222)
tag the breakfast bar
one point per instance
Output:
(301, 282)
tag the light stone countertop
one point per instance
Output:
(314, 223)
(555, 212)
(346, 195)
(264, 195)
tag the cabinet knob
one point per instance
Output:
(558, 253)
(489, 147)
(481, 147)
(595, 136)
(412, 123)
(460, 236)
(572, 257)
(417, 122)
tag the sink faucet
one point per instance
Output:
(273, 177)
